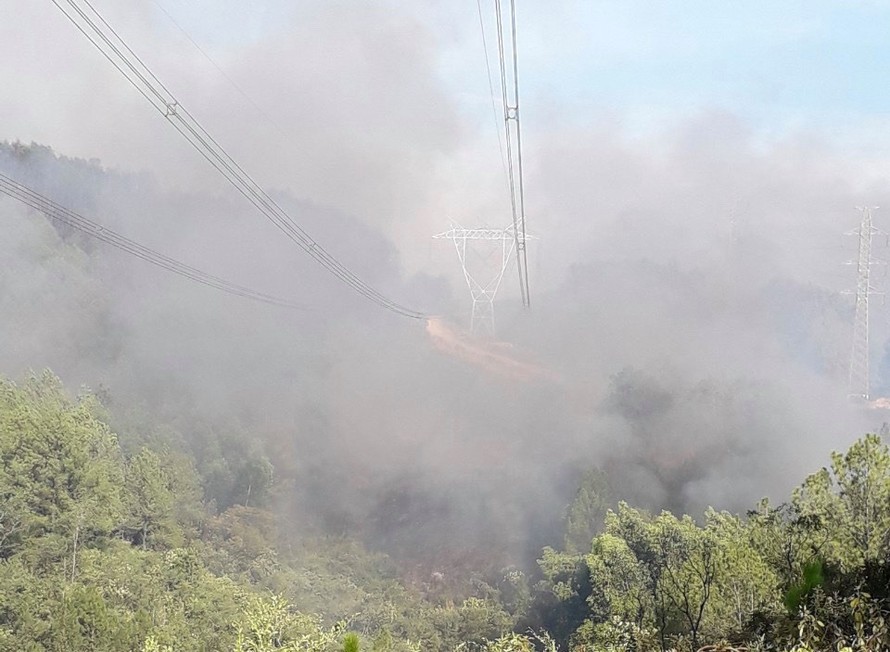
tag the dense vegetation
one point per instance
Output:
(120, 543)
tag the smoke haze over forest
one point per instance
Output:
(686, 287)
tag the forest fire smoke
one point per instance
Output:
(490, 356)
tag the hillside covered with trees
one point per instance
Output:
(239, 479)
(119, 540)
(313, 340)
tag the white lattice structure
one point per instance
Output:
(483, 283)
(859, 386)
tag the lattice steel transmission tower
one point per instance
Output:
(483, 281)
(859, 386)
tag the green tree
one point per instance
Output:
(691, 558)
(474, 621)
(253, 482)
(641, 537)
(269, 624)
(510, 643)
(86, 621)
(787, 540)
(747, 584)
(562, 600)
(585, 516)
(60, 469)
(150, 500)
(851, 503)
(514, 593)
(674, 577)
(622, 580)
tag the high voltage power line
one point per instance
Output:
(484, 288)
(256, 107)
(494, 110)
(103, 36)
(518, 219)
(57, 212)
(513, 137)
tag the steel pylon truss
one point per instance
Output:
(859, 386)
(483, 289)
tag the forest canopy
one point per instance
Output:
(115, 541)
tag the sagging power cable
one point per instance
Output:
(513, 137)
(87, 19)
(494, 110)
(247, 98)
(59, 213)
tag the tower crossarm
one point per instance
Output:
(460, 233)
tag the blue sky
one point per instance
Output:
(776, 64)
(812, 71)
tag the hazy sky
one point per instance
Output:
(641, 120)
(351, 85)
(781, 65)
(691, 170)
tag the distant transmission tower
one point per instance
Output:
(859, 386)
(484, 281)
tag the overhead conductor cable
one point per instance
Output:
(494, 110)
(51, 209)
(514, 160)
(102, 35)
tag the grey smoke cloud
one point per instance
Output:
(685, 287)
(349, 93)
